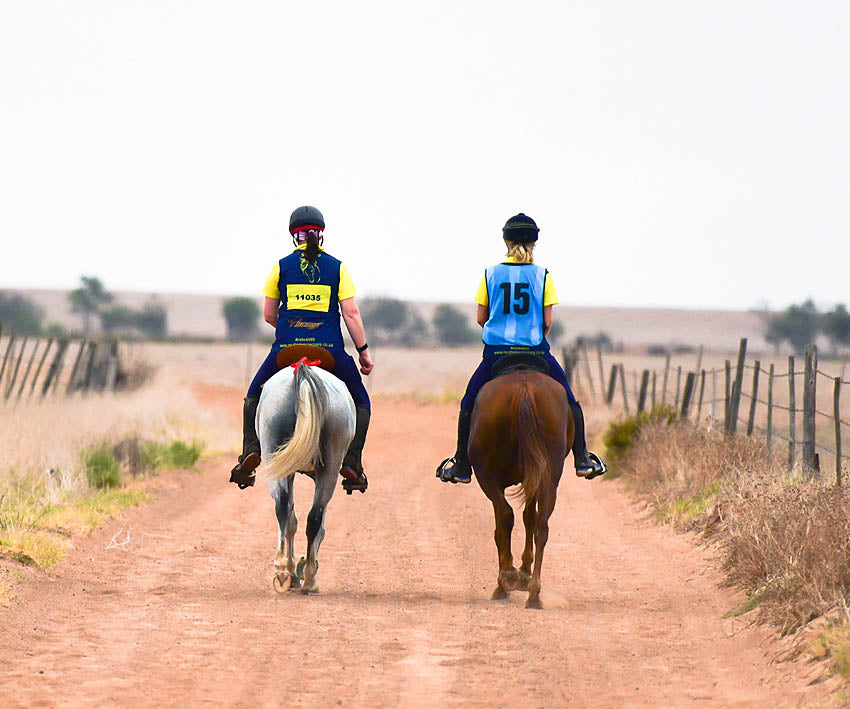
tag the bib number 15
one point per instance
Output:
(520, 303)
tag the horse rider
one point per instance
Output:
(515, 300)
(304, 295)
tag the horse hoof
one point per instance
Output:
(281, 582)
(534, 603)
(307, 590)
(499, 594)
(522, 583)
(294, 583)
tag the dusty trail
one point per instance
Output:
(185, 612)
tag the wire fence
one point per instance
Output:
(805, 410)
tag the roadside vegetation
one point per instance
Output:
(784, 541)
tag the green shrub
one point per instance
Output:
(622, 433)
(102, 468)
(177, 454)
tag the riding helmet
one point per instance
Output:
(306, 218)
(520, 229)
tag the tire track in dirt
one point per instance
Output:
(185, 612)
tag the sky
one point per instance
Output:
(674, 154)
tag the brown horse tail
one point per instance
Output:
(532, 449)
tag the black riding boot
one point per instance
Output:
(243, 474)
(458, 469)
(585, 467)
(353, 477)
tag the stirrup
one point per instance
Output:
(352, 480)
(244, 474)
(446, 472)
(599, 467)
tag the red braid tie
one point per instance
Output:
(304, 360)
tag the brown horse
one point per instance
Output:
(520, 434)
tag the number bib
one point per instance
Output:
(515, 293)
(304, 296)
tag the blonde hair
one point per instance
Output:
(520, 253)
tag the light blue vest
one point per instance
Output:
(515, 292)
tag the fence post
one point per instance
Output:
(73, 377)
(690, 381)
(11, 384)
(836, 411)
(809, 399)
(701, 391)
(612, 383)
(40, 365)
(29, 368)
(792, 414)
(9, 345)
(653, 388)
(644, 383)
(735, 401)
(666, 373)
(586, 361)
(713, 398)
(623, 385)
(601, 370)
(770, 408)
(751, 419)
(678, 386)
(52, 373)
(728, 397)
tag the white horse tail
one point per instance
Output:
(302, 452)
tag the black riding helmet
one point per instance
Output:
(306, 218)
(520, 229)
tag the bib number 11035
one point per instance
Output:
(521, 300)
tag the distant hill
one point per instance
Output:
(197, 315)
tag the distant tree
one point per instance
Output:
(797, 324)
(836, 326)
(20, 314)
(452, 326)
(88, 299)
(117, 318)
(152, 319)
(556, 332)
(55, 329)
(386, 314)
(242, 316)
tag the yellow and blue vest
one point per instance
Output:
(309, 301)
(515, 300)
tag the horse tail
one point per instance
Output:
(302, 452)
(533, 457)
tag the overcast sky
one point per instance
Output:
(684, 154)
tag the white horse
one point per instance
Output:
(307, 417)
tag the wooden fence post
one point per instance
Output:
(586, 361)
(728, 397)
(29, 368)
(623, 385)
(701, 391)
(751, 419)
(11, 384)
(40, 365)
(770, 408)
(666, 373)
(678, 386)
(713, 398)
(735, 401)
(72, 380)
(809, 399)
(792, 414)
(690, 381)
(612, 383)
(653, 388)
(601, 370)
(644, 383)
(9, 346)
(836, 411)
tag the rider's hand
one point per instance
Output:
(366, 363)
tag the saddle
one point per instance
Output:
(293, 353)
(518, 361)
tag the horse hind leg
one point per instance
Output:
(541, 536)
(529, 518)
(507, 580)
(325, 482)
(284, 562)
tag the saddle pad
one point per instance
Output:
(520, 360)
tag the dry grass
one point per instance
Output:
(784, 541)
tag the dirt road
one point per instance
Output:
(184, 612)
